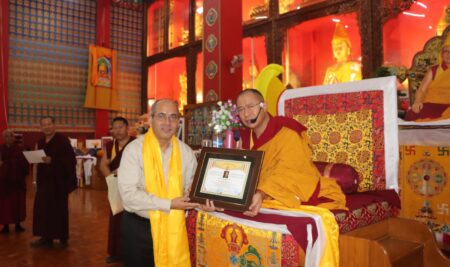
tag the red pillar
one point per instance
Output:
(222, 39)
(103, 30)
(4, 53)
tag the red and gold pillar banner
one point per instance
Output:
(222, 39)
(4, 50)
(103, 39)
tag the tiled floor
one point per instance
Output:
(88, 219)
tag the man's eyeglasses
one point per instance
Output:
(164, 116)
(241, 110)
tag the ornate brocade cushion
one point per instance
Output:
(346, 128)
(345, 175)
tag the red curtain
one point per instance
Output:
(4, 50)
(103, 39)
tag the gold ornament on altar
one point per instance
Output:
(184, 36)
(345, 70)
(285, 5)
(182, 100)
(198, 23)
(260, 12)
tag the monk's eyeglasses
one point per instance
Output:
(241, 110)
(164, 116)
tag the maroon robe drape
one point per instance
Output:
(115, 221)
(54, 183)
(12, 184)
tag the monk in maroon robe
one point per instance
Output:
(56, 178)
(13, 170)
(108, 165)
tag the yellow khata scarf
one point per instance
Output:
(170, 243)
(330, 256)
(113, 152)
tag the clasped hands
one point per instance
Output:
(182, 203)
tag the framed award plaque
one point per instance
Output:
(227, 176)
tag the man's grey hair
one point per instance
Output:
(153, 109)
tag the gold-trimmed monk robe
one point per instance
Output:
(288, 173)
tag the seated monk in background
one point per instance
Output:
(344, 70)
(432, 100)
(288, 176)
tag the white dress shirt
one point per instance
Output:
(131, 180)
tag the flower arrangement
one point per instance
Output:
(142, 129)
(142, 125)
(224, 118)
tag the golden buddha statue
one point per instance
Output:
(344, 70)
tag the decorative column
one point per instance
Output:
(4, 54)
(274, 39)
(222, 49)
(371, 32)
(103, 35)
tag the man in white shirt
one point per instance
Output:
(141, 163)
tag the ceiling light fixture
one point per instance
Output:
(413, 14)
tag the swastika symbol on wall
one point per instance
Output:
(443, 151)
(410, 150)
(442, 209)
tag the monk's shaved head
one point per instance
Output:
(252, 91)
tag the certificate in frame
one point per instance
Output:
(227, 176)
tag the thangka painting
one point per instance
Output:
(352, 123)
(102, 66)
(103, 72)
(101, 90)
